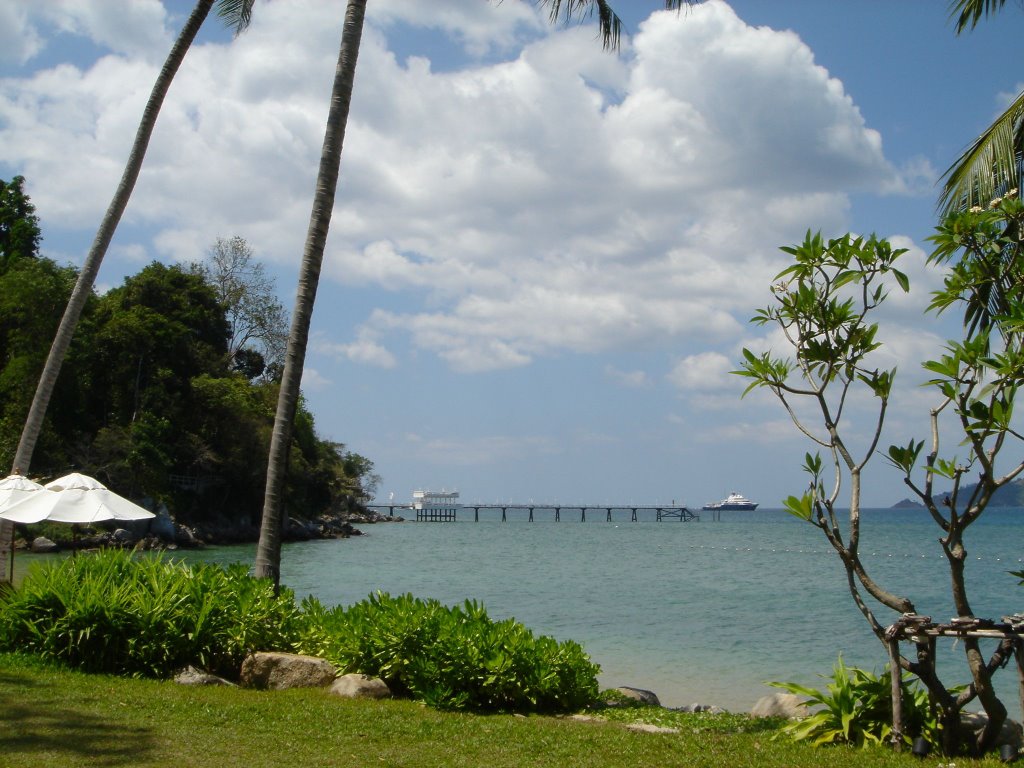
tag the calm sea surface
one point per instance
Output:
(696, 611)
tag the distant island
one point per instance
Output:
(1010, 495)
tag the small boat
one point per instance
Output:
(733, 501)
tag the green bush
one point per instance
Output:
(118, 613)
(452, 658)
(122, 613)
(856, 708)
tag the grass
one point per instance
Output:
(50, 716)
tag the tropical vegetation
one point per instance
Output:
(991, 164)
(149, 616)
(824, 305)
(235, 13)
(172, 378)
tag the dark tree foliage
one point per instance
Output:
(19, 226)
(151, 400)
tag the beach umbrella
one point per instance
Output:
(74, 498)
(15, 488)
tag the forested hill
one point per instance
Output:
(169, 388)
(1010, 495)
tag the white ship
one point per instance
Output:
(732, 501)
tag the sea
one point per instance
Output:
(704, 611)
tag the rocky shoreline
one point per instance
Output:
(164, 533)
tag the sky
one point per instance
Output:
(543, 256)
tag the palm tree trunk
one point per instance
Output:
(268, 552)
(86, 278)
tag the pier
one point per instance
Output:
(449, 512)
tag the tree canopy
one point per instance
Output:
(152, 401)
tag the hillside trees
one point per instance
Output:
(257, 321)
(236, 13)
(151, 402)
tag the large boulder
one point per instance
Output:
(277, 671)
(973, 723)
(41, 544)
(787, 705)
(356, 686)
(647, 698)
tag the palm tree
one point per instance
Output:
(268, 551)
(991, 165)
(236, 14)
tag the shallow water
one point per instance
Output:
(695, 611)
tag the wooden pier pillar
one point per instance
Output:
(503, 514)
(531, 515)
(558, 517)
(634, 514)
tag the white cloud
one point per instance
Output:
(19, 39)
(483, 450)
(565, 200)
(707, 371)
(630, 379)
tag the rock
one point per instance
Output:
(41, 545)
(639, 694)
(185, 537)
(278, 671)
(709, 708)
(123, 536)
(787, 705)
(356, 686)
(648, 728)
(162, 526)
(192, 676)
(972, 723)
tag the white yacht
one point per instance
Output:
(732, 501)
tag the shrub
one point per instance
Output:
(118, 613)
(452, 658)
(856, 708)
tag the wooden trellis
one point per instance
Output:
(918, 629)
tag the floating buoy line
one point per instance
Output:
(791, 550)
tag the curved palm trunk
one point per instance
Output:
(86, 278)
(268, 552)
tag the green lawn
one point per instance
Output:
(53, 717)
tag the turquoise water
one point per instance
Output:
(696, 611)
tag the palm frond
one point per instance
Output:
(989, 166)
(969, 12)
(236, 14)
(567, 11)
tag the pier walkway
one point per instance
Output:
(450, 513)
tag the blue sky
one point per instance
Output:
(543, 257)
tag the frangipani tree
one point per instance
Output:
(824, 304)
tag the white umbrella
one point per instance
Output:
(74, 498)
(15, 488)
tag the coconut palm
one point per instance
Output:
(268, 551)
(991, 165)
(236, 14)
